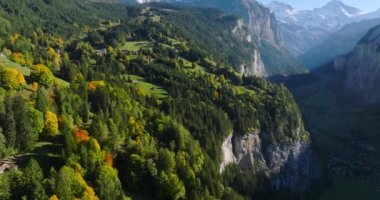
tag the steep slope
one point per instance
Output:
(362, 68)
(337, 44)
(119, 100)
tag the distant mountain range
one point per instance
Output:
(306, 29)
(339, 43)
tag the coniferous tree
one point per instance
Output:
(33, 181)
(9, 124)
(41, 100)
(107, 183)
(26, 136)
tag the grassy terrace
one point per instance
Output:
(136, 46)
(146, 87)
(26, 71)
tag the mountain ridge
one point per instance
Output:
(306, 29)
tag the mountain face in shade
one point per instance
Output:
(362, 68)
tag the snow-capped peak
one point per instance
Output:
(334, 14)
(283, 11)
(339, 8)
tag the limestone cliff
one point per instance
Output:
(262, 23)
(287, 165)
(267, 38)
(256, 67)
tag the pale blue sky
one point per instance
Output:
(365, 5)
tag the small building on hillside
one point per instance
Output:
(6, 166)
(101, 52)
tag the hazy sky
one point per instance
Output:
(365, 5)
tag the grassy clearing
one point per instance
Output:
(136, 46)
(26, 71)
(61, 82)
(242, 90)
(173, 41)
(155, 18)
(188, 66)
(211, 62)
(5, 61)
(148, 88)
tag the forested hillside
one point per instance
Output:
(108, 101)
(270, 57)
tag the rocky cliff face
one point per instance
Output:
(287, 165)
(256, 67)
(362, 68)
(268, 38)
(262, 23)
(259, 27)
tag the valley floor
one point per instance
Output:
(346, 137)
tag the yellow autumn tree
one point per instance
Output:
(42, 75)
(222, 79)
(54, 197)
(51, 123)
(56, 58)
(88, 193)
(19, 58)
(14, 38)
(11, 78)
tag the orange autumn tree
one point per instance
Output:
(92, 85)
(108, 159)
(81, 136)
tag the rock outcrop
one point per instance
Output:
(256, 67)
(269, 57)
(287, 165)
(262, 23)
